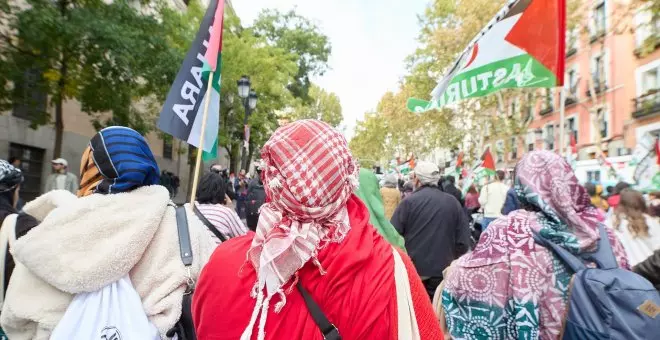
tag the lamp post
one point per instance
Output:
(249, 98)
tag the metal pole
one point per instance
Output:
(562, 109)
(245, 122)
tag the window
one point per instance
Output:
(499, 150)
(30, 98)
(598, 72)
(167, 147)
(593, 176)
(600, 21)
(550, 137)
(530, 140)
(572, 82)
(32, 160)
(572, 127)
(514, 148)
(650, 80)
(547, 104)
(603, 125)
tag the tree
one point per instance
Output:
(323, 105)
(110, 57)
(297, 34)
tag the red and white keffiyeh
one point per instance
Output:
(309, 175)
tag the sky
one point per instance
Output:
(370, 40)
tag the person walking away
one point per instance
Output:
(391, 195)
(14, 224)
(511, 203)
(492, 198)
(313, 238)
(61, 178)
(256, 197)
(370, 195)
(212, 205)
(121, 223)
(472, 199)
(614, 199)
(638, 232)
(448, 185)
(596, 199)
(509, 286)
(433, 224)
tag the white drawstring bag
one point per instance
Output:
(113, 312)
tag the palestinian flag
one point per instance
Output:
(523, 46)
(183, 111)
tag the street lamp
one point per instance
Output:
(252, 100)
(249, 103)
(243, 87)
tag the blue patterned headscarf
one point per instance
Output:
(118, 159)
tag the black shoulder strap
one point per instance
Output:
(184, 236)
(330, 332)
(208, 224)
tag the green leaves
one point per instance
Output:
(301, 37)
(323, 105)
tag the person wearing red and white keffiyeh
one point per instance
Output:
(314, 231)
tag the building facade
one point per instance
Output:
(622, 67)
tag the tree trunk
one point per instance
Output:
(59, 99)
(59, 114)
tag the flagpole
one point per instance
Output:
(200, 149)
(562, 111)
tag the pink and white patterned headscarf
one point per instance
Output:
(309, 175)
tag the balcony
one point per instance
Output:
(597, 35)
(599, 87)
(571, 96)
(646, 104)
(570, 51)
(546, 110)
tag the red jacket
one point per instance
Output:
(357, 294)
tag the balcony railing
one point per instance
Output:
(600, 32)
(647, 104)
(599, 86)
(571, 51)
(548, 109)
(571, 96)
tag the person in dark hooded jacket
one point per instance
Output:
(448, 185)
(10, 184)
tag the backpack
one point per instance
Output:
(255, 199)
(606, 302)
(111, 313)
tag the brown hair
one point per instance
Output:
(633, 207)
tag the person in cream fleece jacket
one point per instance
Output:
(84, 243)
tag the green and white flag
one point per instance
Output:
(523, 46)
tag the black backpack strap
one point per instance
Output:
(330, 332)
(184, 236)
(208, 224)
